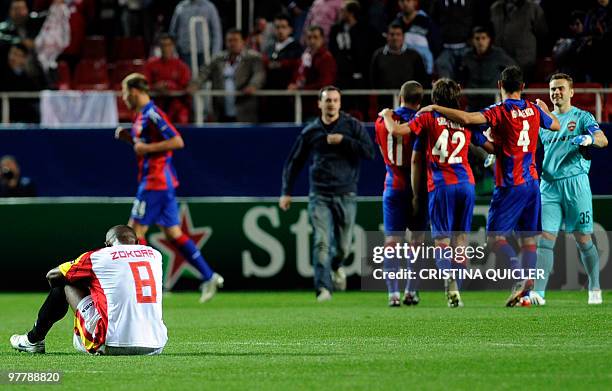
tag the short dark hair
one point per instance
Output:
(446, 92)
(563, 76)
(327, 89)
(512, 79)
(482, 29)
(411, 92)
(163, 36)
(353, 7)
(19, 45)
(283, 16)
(137, 81)
(315, 27)
(234, 31)
(577, 15)
(395, 25)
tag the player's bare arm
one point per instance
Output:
(555, 126)
(600, 139)
(393, 126)
(459, 116)
(488, 146)
(170, 144)
(284, 202)
(123, 134)
(55, 277)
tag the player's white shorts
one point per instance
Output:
(85, 340)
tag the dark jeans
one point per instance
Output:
(332, 218)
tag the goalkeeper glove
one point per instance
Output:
(489, 161)
(583, 140)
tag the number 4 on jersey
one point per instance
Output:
(523, 140)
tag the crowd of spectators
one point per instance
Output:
(306, 44)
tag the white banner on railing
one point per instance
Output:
(78, 108)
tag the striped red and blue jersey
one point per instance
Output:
(446, 143)
(515, 124)
(155, 170)
(396, 150)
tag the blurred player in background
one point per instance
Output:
(516, 205)
(404, 195)
(115, 293)
(337, 142)
(566, 192)
(154, 138)
(450, 182)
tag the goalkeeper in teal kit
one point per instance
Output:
(566, 192)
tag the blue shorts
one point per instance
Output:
(567, 201)
(451, 208)
(515, 208)
(156, 207)
(398, 214)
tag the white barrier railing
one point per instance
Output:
(194, 22)
(201, 95)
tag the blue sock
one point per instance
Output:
(590, 260)
(545, 262)
(529, 256)
(506, 252)
(191, 253)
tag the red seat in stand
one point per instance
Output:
(91, 75)
(587, 101)
(94, 47)
(123, 68)
(128, 48)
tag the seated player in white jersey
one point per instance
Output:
(116, 295)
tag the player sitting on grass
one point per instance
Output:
(515, 206)
(450, 181)
(116, 295)
(566, 192)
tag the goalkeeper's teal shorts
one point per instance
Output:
(567, 204)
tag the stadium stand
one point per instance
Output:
(91, 75)
(95, 47)
(128, 48)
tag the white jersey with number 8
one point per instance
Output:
(126, 288)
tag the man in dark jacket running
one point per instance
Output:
(337, 142)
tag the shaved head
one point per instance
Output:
(120, 234)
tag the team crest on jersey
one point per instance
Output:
(571, 126)
(177, 266)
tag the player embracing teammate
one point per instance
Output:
(516, 203)
(450, 182)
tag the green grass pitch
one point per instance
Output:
(285, 340)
